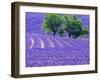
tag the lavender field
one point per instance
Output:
(48, 50)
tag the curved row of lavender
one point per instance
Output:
(43, 50)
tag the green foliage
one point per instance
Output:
(46, 28)
(73, 26)
(52, 23)
(64, 24)
(85, 31)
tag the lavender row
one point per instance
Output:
(49, 41)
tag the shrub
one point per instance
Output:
(85, 31)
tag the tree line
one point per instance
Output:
(57, 24)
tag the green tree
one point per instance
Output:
(52, 23)
(73, 26)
